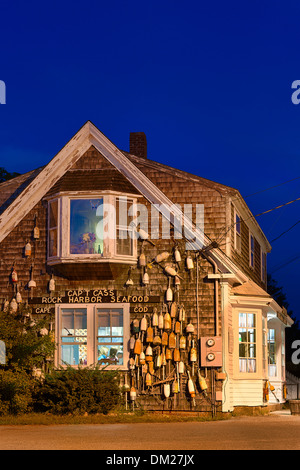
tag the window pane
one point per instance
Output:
(74, 354)
(243, 320)
(251, 320)
(243, 335)
(238, 224)
(53, 212)
(103, 324)
(124, 242)
(251, 365)
(110, 354)
(53, 242)
(86, 226)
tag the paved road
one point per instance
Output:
(276, 431)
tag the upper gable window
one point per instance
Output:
(237, 232)
(251, 251)
(93, 228)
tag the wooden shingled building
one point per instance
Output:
(148, 269)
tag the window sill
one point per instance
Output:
(91, 268)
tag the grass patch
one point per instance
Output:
(112, 418)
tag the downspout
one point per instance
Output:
(216, 293)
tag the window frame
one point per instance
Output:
(92, 336)
(57, 227)
(109, 244)
(237, 234)
(263, 262)
(251, 252)
(259, 343)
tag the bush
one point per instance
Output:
(78, 391)
(15, 392)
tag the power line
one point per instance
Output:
(285, 264)
(286, 231)
(258, 215)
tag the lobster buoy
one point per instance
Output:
(142, 260)
(164, 339)
(181, 315)
(13, 305)
(131, 343)
(14, 276)
(177, 255)
(176, 355)
(167, 321)
(168, 354)
(36, 233)
(161, 257)
(148, 379)
(28, 250)
(52, 284)
(175, 387)
(193, 353)
(190, 328)
(160, 321)
(189, 262)
(158, 361)
(142, 358)
(156, 340)
(18, 297)
(167, 390)
(169, 294)
(132, 394)
(137, 347)
(146, 278)
(173, 310)
(181, 367)
(172, 340)
(202, 382)
(155, 319)
(149, 336)
(171, 272)
(129, 282)
(135, 326)
(149, 354)
(182, 342)
(191, 388)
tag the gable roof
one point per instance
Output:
(34, 185)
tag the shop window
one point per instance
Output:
(247, 342)
(93, 334)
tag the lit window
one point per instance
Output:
(86, 226)
(110, 336)
(93, 334)
(124, 228)
(247, 342)
(272, 352)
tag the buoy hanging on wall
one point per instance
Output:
(28, 249)
(14, 276)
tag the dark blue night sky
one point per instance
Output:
(208, 82)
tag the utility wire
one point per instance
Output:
(286, 231)
(258, 215)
